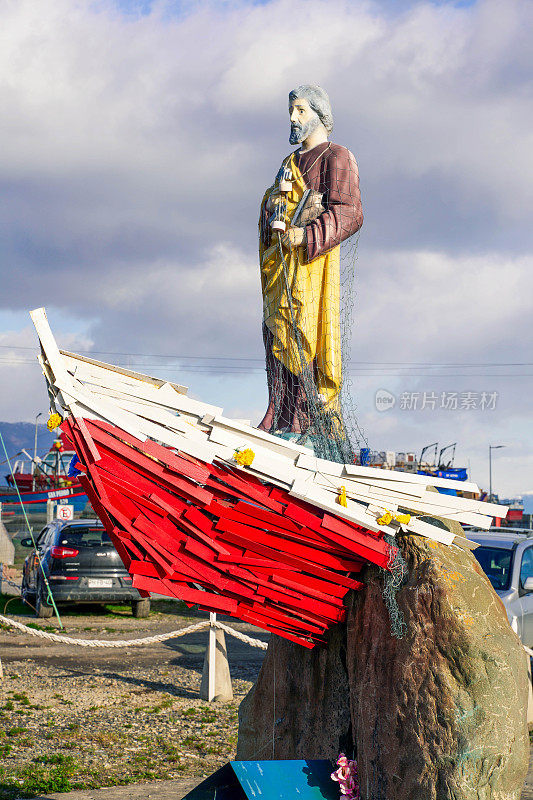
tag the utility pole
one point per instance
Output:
(35, 450)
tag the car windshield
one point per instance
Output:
(79, 536)
(496, 563)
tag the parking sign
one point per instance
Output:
(65, 512)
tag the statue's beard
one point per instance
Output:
(299, 133)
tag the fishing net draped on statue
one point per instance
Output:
(223, 515)
(308, 299)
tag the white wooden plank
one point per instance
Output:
(142, 428)
(275, 443)
(49, 345)
(162, 393)
(106, 411)
(430, 531)
(311, 462)
(240, 441)
(356, 513)
(363, 490)
(306, 490)
(139, 376)
(186, 403)
(163, 417)
(394, 487)
(378, 510)
(409, 477)
(386, 500)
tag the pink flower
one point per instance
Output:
(346, 777)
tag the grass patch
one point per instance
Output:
(15, 731)
(21, 697)
(46, 775)
(47, 628)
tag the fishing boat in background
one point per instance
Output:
(41, 479)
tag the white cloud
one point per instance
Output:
(135, 150)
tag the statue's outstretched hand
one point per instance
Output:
(292, 238)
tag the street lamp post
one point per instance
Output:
(35, 449)
(491, 448)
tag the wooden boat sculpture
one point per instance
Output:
(217, 513)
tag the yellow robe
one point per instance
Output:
(314, 293)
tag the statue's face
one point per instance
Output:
(303, 120)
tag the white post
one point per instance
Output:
(212, 656)
(216, 679)
(50, 508)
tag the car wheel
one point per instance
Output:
(141, 608)
(42, 607)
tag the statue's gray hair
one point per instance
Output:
(318, 100)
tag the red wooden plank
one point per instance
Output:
(375, 551)
(293, 581)
(248, 489)
(295, 512)
(80, 422)
(285, 558)
(192, 530)
(286, 619)
(145, 568)
(334, 523)
(177, 463)
(309, 554)
(132, 547)
(301, 535)
(278, 520)
(326, 587)
(146, 466)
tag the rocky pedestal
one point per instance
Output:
(439, 714)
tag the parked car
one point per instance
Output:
(81, 565)
(506, 557)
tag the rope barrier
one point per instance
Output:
(242, 636)
(161, 637)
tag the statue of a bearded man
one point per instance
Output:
(313, 205)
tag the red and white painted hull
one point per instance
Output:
(268, 543)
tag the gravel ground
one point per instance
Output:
(78, 719)
(73, 718)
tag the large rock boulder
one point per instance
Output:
(439, 714)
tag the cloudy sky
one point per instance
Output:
(137, 139)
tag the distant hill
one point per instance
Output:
(18, 435)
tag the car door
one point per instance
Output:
(526, 598)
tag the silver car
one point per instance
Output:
(506, 557)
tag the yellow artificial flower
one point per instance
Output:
(404, 518)
(388, 516)
(386, 519)
(244, 457)
(54, 421)
(341, 499)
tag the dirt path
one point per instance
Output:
(73, 718)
